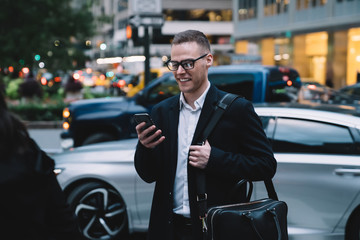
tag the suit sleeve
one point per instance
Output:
(147, 161)
(240, 148)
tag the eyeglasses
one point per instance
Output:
(186, 64)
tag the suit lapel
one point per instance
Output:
(173, 131)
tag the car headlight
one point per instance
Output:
(57, 171)
(66, 113)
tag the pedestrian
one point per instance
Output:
(237, 148)
(32, 204)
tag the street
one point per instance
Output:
(48, 139)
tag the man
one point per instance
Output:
(237, 148)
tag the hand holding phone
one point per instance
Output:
(144, 117)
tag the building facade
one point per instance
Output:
(213, 17)
(320, 38)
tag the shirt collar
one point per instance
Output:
(198, 102)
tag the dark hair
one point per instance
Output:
(14, 137)
(192, 36)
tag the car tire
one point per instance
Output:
(100, 210)
(98, 137)
(353, 227)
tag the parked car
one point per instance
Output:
(98, 120)
(317, 148)
(89, 77)
(50, 82)
(122, 82)
(313, 91)
(154, 73)
(352, 90)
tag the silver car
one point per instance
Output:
(318, 152)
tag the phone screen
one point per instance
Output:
(144, 117)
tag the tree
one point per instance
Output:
(54, 30)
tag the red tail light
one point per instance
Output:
(43, 81)
(121, 83)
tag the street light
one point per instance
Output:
(103, 46)
(102, 49)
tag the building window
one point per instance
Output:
(122, 5)
(305, 4)
(275, 7)
(198, 15)
(247, 9)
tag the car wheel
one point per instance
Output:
(98, 137)
(100, 210)
(353, 226)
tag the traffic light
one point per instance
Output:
(133, 34)
(128, 32)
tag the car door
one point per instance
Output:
(313, 177)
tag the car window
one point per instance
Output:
(296, 135)
(165, 89)
(268, 124)
(238, 83)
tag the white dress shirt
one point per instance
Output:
(188, 119)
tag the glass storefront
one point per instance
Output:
(330, 58)
(353, 56)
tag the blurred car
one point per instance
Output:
(121, 83)
(258, 83)
(352, 90)
(314, 91)
(318, 152)
(89, 78)
(51, 82)
(154, 73)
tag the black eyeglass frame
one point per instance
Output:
(182, 63)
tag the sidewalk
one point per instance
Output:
(43, 124)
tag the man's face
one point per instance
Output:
(191, 81)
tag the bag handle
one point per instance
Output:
(268, 184)
(201, 196)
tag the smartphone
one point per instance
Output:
(143, 117)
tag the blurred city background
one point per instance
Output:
(56, 52)
(76, 71)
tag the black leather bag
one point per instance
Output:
(264, 219)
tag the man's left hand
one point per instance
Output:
(199, 155)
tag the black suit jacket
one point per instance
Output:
(239, 150)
